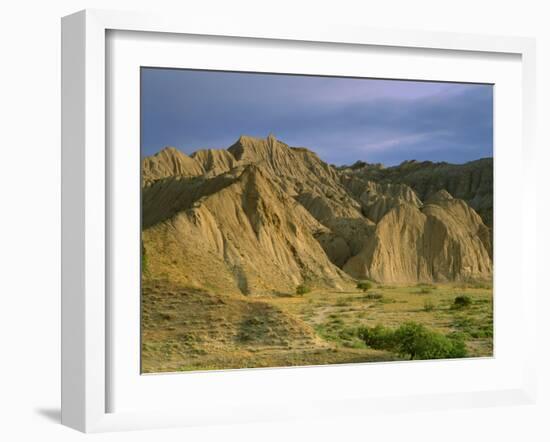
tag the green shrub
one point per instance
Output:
(302, 289)
(414, 341)
(364, 285)
(378, 337)
(462, 301)
(374, 295)
(458, 349)
(418, 342)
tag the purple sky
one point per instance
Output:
(342, 119)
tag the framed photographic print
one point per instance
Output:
(269, 223)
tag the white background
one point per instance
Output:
(30, 221)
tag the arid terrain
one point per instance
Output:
(263, 255)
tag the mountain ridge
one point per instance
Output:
(275, 216)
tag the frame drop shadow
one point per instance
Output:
(51, 414)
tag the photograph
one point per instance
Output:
(303, 220)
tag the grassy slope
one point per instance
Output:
(334, 314)
(185, 329)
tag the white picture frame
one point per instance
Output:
(86, 316)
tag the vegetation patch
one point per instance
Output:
(428, 305)
(302, 289)
(185, 328)
(364, 285)
(144, 261)
(343, 302)
(424, 291)
(414, 341)
(337, 333)
(475, 328)
(462, 301)
(373, 296)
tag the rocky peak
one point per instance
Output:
(263, 197)
(169, 162)
(252, 149)
(215, 161)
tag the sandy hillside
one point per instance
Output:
(263, 217)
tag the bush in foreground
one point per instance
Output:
(378, 337)
(414, 341)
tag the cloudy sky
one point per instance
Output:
(342, 119)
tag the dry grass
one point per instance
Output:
(189, 329)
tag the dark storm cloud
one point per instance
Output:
(343, 120)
